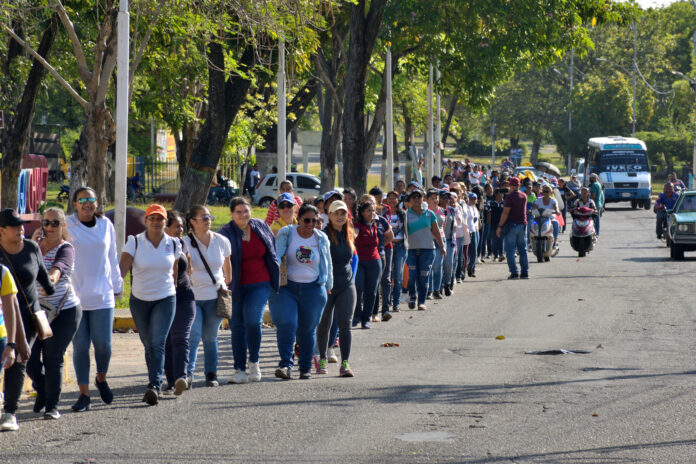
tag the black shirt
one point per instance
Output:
(341, 256)
(184, 291)
(27, 268)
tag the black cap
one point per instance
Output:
(10, 218)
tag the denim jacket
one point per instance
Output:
(325, 266)
(234, 235)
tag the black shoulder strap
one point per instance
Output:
(194, 244)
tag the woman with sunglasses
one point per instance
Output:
(369, 262)
(397, 222)
(97, 282)
(152, 258)
(286, 213)
(23, 258)
(341, 300)
(255, 272)
(46, 363)
(297, 306)
(214, 249)
(422, 230)
(546, 202)
(177, 353)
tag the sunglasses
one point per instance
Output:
(53, 223)
(82, 201)
(207, 217)
(309, 220)
(285, 205)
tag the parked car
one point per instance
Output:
(681, 226)
(305, 186)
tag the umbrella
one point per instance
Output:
(548, 168)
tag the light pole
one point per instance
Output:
(121, 158)
(692, 85)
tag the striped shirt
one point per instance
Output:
(63, 258)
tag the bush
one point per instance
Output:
(667, 149)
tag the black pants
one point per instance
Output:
(45, 367)
(341, 303)
(14, 376)
(176, 354)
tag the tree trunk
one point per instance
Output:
(534, 157)
(298, 107)
(450, 116)
(225, 98)
(408, 129)
(15, 140)
(185, 141)
(363, 35)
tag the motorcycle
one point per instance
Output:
(541, 234)
(582, 235)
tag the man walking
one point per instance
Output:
(513, 225)
(597, 196)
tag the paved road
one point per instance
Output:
(451, 392)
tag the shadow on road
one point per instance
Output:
(649, 259)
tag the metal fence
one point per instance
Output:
(163, 176)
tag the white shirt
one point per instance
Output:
(96, 277)
(472, 220)
(303, 258)
(214, 254)
(539, 203)
(153, 268)
(254, 176)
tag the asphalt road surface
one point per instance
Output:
(451, 392)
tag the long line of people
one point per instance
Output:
(323, 267)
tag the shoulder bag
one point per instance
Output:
(223, 307)
(40, 318)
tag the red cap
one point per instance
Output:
(156, 209)
(514, 181)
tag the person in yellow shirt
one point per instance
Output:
(286, 211)
(12, 339)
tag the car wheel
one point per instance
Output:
(265, 202)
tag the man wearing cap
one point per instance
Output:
(513, 227)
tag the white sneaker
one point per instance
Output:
(8, 423)
(239, 377)
(333, 359)
(254, 372)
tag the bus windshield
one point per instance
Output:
(623, 161)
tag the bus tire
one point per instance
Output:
(646, 203)
(634, 204)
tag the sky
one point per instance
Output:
(654, 3)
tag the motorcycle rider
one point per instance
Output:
(666, 200)
(676, 182)
(585, 201)
(546, 202)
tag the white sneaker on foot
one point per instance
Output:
(331, 356)
(8, 423)
(254, 372)
(239, 376)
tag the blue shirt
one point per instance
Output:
(667, 202)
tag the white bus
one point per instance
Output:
(623, 169)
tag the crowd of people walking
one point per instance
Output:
(323, 267)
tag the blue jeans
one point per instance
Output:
(178, 342)
(497, 245)
(45, 366)
(490, 233)
(366, 282)
(516, 238)
(556, 229)
(153, 320)
(398, 259)
(448, 263)
(205, 326)
(95, 328)
(420, 262)
(596, 223)
(460, 267)
(483, 240)
(435, 279)
(660, 221)
(385, 281)
(245, 324)
(473, 252)
(296, 310)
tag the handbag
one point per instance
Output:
(223, 306)
(40, 319)
(283, 271)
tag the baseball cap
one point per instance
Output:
(156, 209)
(286, 198)
(331, 193)
(415, 184)
(473, 196)
(10, 218)
(514, 181)
(445, 193)
(337, 206)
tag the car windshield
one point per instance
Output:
(688, 204)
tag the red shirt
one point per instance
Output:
(517, 202)
(254, 269)
(366, 241)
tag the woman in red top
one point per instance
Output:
(369, 262)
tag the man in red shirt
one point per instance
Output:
(513, 227)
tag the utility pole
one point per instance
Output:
(492, 143)
(634, 25)
(281, 163)
(121, 158)
(431, 136)
(390, 125)
(570, 103)
(438, 130)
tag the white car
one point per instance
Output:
(305, 186)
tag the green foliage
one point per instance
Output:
(68, 139)
(670, 148)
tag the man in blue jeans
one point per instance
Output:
(513, 225)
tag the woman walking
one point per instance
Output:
(342, 298)
(97, 282)
(23, 258)
(286, 213)
(152, 258)
(45, 366)
(255, 272)
(208, 250)
(297, 307)
(176, 356)
(422, 230)
(397, 222)
(369, 262)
